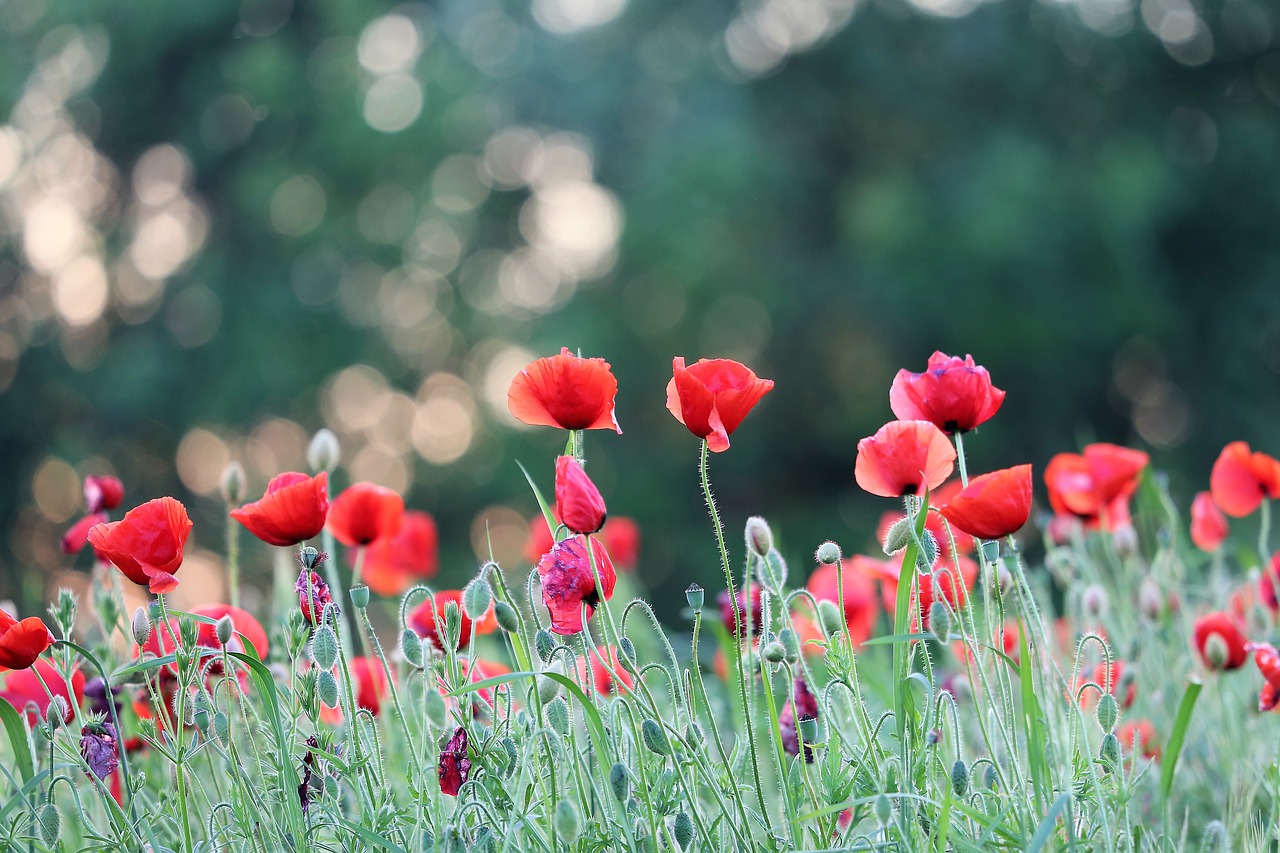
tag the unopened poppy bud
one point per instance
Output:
(693, 735)
(959, 778)
(928, 556)
(579, 504)
(810, 732)
(828, 553)
(654, 737)
(141, 626)
(434, 709)
(568, 823)
(939, 621)
(360, 597)
(232, 484)
(411, 648)
(990, 777)
(789, 642)
(1094, 601)
(188, 632)
(1216, 652)
(545, 644)
(324, 451)
(884, 809)
(476, 598)
(557, 713)
(452, 624)
(773, 571)
(830, 617)
(224, 629)
(1109, 752)
(57, 711)
(1125, 540)
(221, 728)
(1108, 711)
(1214, 839)
(683, 830)
(759, 536)
(1150, 599)
(897, 537)
(50, 824)
(620, 782)
(507, 617)
(695, 596)
(774, 652)
(324, 648)
(627, 655)
(991, 550)
(549, 688)
(327, 688)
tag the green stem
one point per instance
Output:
(1264, 533)
(964, 471)
(178, 732)
(233, 560)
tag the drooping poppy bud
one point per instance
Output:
(454, 767)
(993, 505)
(579, 504)
(146, 545)
(102, 493)
(292, 511)
(565, 391)
(568, 583)
(954, 394)
(713, 396)
(365, 512)
(904, 458)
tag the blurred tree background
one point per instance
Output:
(226, 225)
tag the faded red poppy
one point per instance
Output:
(579, 504)
(1208, 525)
(395, 563)
(427, 619)
(993, 505)
(568, 583)
(601, 677)
(1095, 486)
(1241, 479)
(803, 705)
(313, 595)
(735, 618)
(365, 512)
(102, 493)
(1269, 584)
(860, 603)
(1138, 736)
(943, 580)
(713, 396)
(370, 685)
(22, 642)
(953, 393)
(22, 687)
(454, 767)
(1226, 627)
(292, 511)
(904, 458)
(621, 537)
(565, 391)
(74, 540)
(146, 545)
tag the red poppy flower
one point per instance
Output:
(1208, 524)
(565, 391)
(904, 458)
(1095, 486)
(600, 674)
(395, 563)
(454, 767)
(370, 684)
(102, 493)
(1240, 480)
(621, 537)
(860, 604)
(954, 394)
(735, 618)
(425, 618)
(568, 583)
(1268, 661)
(713, 396)
(73, 541)
(146, 545)
(292, 511)
(943, 580)
(578, 502)
(1224, 626)
(248, 632)
(1140, 734)
(993, 505)
(22, 687)
(365, 512)
(22, 642)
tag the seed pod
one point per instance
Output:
(324, 648)
(1107, 711)
(759, 536)
(898, 537)
(360, 597)
(655, 738)
(557, 713)
(411, 648)
(507, 617)
(1109, 752)
(435, 710)
(327, 689)
(683, 830)
(545, 644)
(695, 595)
(568, 823)
(620, 782)
(991, 550)
(959, 778)
(828, 553)
(50, 824)
(476, 598)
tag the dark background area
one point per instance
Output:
(224, 226)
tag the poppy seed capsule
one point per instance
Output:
(828, 553)
(759, 536)
(695, 595)
(360, 597)
(1216, 652)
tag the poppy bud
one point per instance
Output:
(759, 536)
(476, 598)
(435, 710)
(545, 644)
(1125, 540)
(221, 728)
(959, 778)
(557, 713)
(327, 688)
(939, 621)
(683, 830)
(224, 629)
(928, 556)
(188, 632)
(50, 824)
(1094, 601)
(452, 624)
(898, 536)
(141, 626)
(1109, 752)
(579, 504)
(773, 571)
(549, 688)
(1214, 839)
(830, 618)
(360, 596)
(990, 777)
(884, 809)
(693, 735)
(1216, 652)
(567, 822)
(1150, 599)
(627, 655)
(654, 737)
(324, 648)
(695, 595)
(828, 553)
(506, 617)
(790, 644)
(324, 451)
(1107, 711)
(411, 648)
(774, 652)
(232, 483)
(620, 782)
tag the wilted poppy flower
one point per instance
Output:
(954, 394)
(1230, 652)
(1240, 479)
(804, 705)
(22, 642)
(395, 563)
(455, 767)
(578, 502)
(993, 505)
(860, 603)
(568, 583)
(99, 746)
(601, 670)
(713, 396)
(292, 511)
(146, 545)
(22, 687)
(101, 493)
(904, 458)
(365, 512)
(1208, 524)
(1138, 736)
(313, 595)
(735, 618)
(425, 618)
(1095, 486)
(73, 541)
(565, 391)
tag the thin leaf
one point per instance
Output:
(547, 512)
(1180, 723)
(1047, 825)
(16, 726)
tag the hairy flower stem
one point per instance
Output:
(333, 577)
(1264, 533)
(178, 731)
(233, 560)
(737, 620)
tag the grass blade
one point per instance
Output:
(1179, 734)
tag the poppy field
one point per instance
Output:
(1070, 658)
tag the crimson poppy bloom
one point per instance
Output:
(565, 391)
(621, 537)
(1225, 627)
(904, 458)
(22, 687)
(1139, 736)
(578, 501)
(1268, 661)
(713, 396)
(1241, 479)
(735, 618)
(803, 705)
(292, 511)
(146, 545)
(993, 505)
(860, 604)
(425, 618)
(74, 540)
(601, 669)
(953, 393)
(568, 584)
(945, 580)
(1095, 486)
(102, 493)
(1208, 525)
(365, 512)
(455, 767)
(22, 642)
(395, 563)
